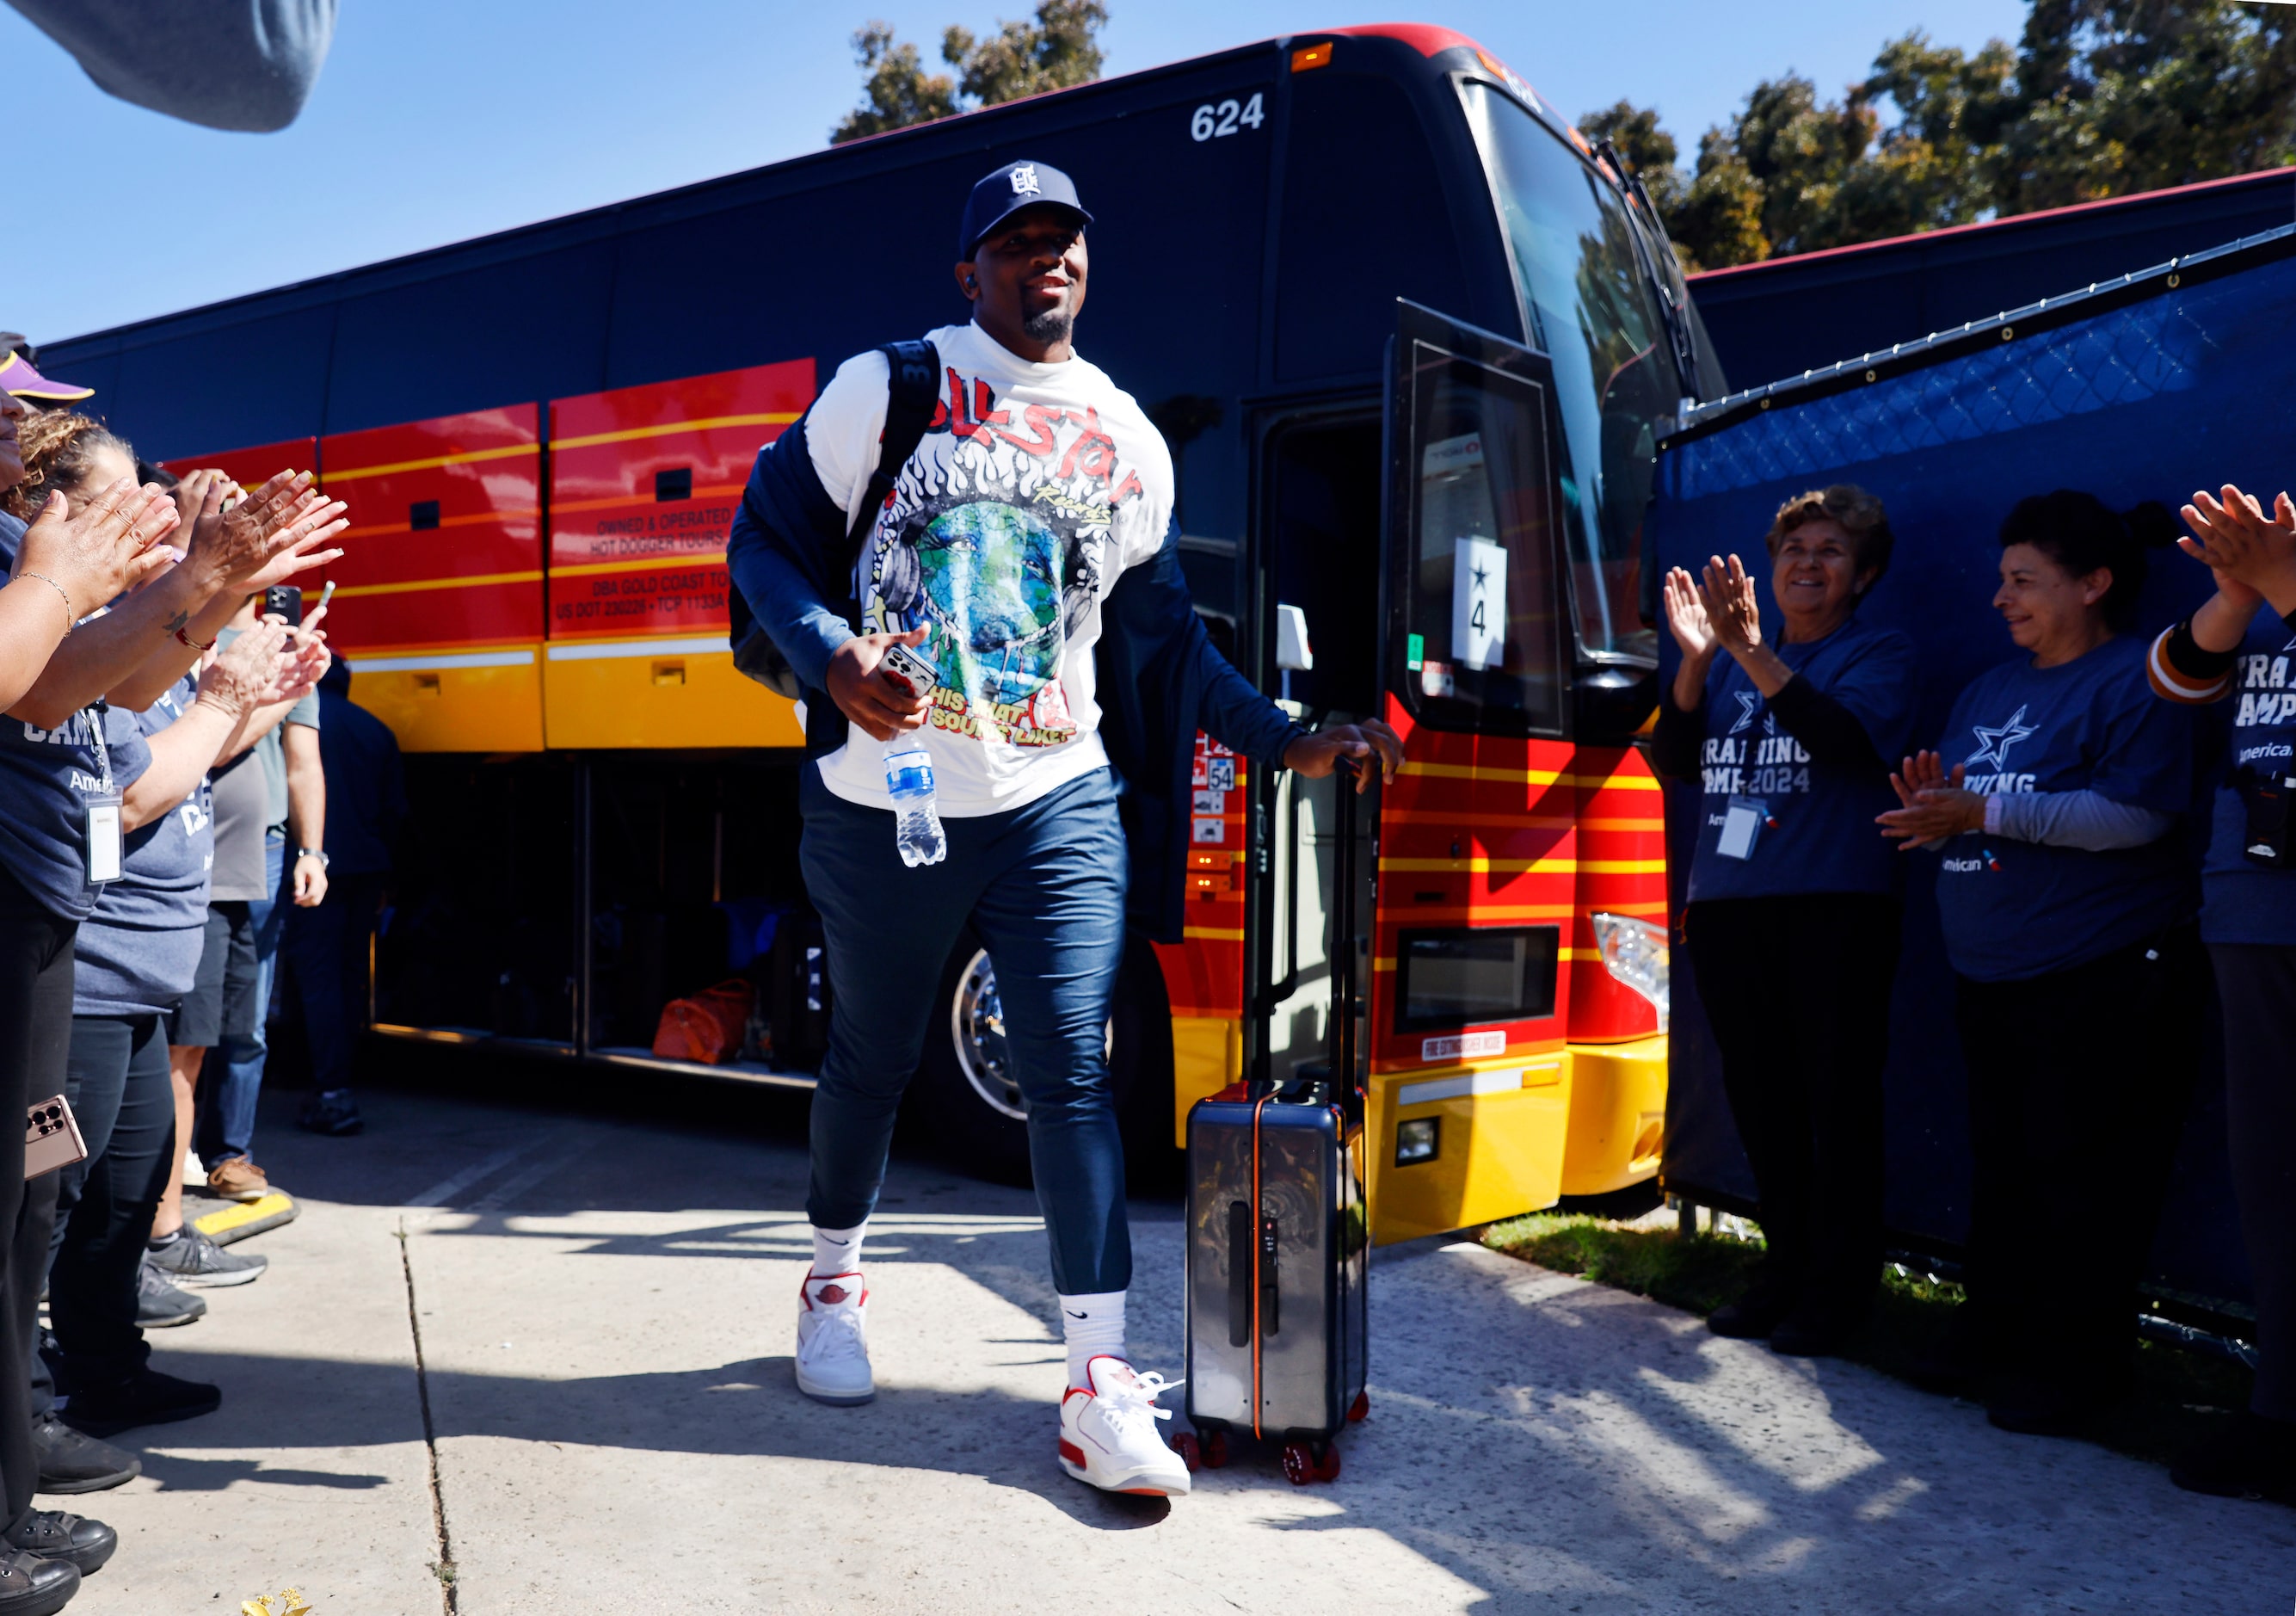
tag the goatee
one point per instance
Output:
(1052, 326)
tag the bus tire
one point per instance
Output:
(964, 1104)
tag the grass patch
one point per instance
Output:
(2176, 1395)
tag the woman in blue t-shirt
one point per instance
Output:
(2066, 897)
(1788, 742)
(2242, 643)
(136, 954)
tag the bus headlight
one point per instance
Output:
(1634, 953)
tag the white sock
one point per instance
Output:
(1092, 1325)
(837, 1250)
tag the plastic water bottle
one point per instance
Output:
(909, 778)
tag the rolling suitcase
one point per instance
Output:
(1278, 1238)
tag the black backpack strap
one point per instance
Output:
(913, 388)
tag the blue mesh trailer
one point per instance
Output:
(2146, 387)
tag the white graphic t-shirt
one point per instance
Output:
(1034, 488)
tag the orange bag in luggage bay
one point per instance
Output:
(707, 1026)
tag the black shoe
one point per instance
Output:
(334, 1112)
(1768, 1298)
(1954, 1364)
(145, 1397)
(1812, 1331)
(2253, 1457)
(2035, 1405)
(53, 1535)
(30, 1586)
(73, 1463)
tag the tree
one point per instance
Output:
(1060, 47)
(898, 89)
(1649, 150)
(2120, 95)
(2099, 98)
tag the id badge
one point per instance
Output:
(104, 848)
(2266, 797)
(1741, 826)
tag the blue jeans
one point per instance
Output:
(1043, 887)
(232, 1080)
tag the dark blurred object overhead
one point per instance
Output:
(229, 64)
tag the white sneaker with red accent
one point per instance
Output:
(1109, 1436)
(832, 1340)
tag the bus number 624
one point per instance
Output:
(1208, 122)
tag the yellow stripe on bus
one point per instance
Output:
(1539, 866)
(707, 490)
(475, 581)
(1530, 776)
(630, 433)
(1515, 822)
(1213, 934)
(468, 520)
(708, 558)
(330, 477)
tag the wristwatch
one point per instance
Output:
(312, 853)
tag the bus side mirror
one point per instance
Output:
(1293, 653)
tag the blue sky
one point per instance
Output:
(439, 120)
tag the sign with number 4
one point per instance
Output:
(1213, 119)
(1478, 603)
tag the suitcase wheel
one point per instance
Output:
(1184, 1444)
(1360, 1410)
(1305, 1462)
(1215, 1449)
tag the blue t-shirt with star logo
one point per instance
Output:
(2017, 909)
(1820, 836)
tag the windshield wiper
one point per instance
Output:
(1673, 307)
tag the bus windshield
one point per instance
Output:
(1589, 305)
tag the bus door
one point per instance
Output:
(1468, 1075)
(1318, 564)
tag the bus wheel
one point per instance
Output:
(966, 1099)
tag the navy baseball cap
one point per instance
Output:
(1005, 192)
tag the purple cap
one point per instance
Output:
(18, 376)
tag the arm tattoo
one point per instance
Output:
(176, 624)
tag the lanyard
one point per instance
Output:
(95, 716)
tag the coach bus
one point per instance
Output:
(1412, 340)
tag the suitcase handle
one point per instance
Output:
(1239, 1233)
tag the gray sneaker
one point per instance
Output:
(196, 1260)
(158, 1305)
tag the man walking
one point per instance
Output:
(1025, 553)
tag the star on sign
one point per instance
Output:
(1483, 576)
(1993, 744)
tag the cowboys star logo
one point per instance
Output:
(1993, 744)
(1024, 180)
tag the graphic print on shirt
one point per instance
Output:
(1774, 765)
(2263, 739)
(1993, 744)
(996, 539)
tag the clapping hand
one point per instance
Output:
(1685, 615)
(247, 673)
(267, 537)
(107, 547)
(1937, 804)
(2253, 556)
(1732, 607)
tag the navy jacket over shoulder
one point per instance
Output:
(1160, 678)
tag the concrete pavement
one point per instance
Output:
(604, 1304)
